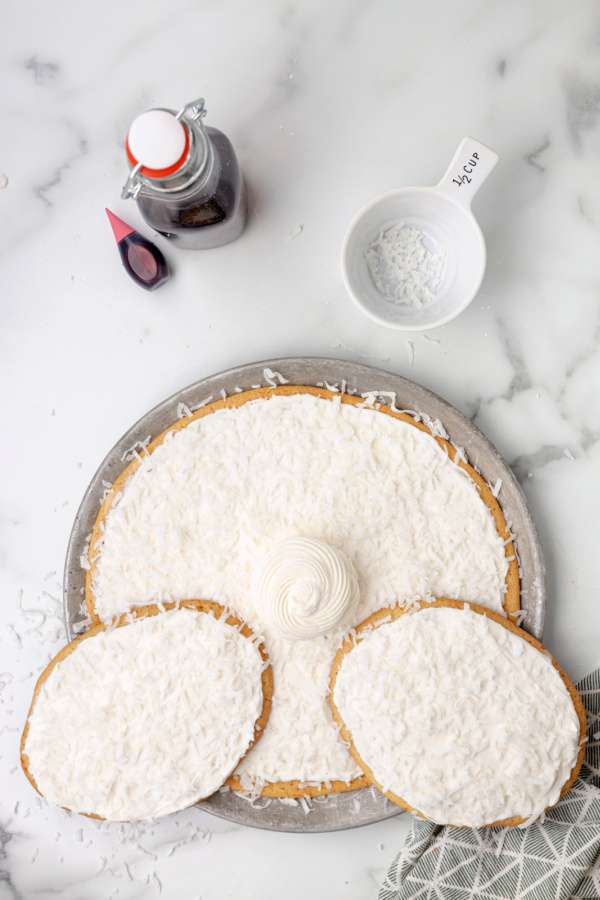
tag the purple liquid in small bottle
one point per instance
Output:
(144, 262)
(142, 259)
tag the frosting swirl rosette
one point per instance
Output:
(306, 588)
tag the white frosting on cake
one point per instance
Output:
(200, 514)
(305, 588)
(459, 717)
(146, 719)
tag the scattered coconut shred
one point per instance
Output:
(405, 265)
(203, 510)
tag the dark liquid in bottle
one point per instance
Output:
(201, 218)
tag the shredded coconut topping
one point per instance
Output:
(202, 511)
(406, 266)
(146, 719)
(458, 716)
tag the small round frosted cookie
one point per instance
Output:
(148, 717)
(457, 715)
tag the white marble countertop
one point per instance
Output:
(327, 105)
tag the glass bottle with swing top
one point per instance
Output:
(185, 177)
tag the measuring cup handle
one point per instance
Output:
(470, 166)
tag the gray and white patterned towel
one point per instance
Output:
(556, 859)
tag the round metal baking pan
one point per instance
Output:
(357, 807)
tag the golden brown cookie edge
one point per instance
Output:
(511, 601)
(140, 612)
(382, 617)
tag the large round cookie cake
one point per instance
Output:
(203, 509)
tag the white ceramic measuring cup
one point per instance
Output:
(444, 214)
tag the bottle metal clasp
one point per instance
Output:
(193, 111)
(133, 185)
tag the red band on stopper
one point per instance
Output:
(169, 170)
